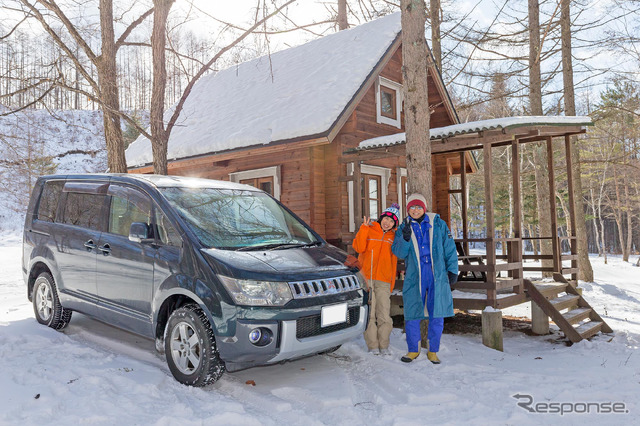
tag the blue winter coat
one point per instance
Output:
(444, 259)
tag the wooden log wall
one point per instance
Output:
(363, 125)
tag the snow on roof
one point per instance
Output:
(296, 92)
(478, 126)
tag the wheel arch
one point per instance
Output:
(37, 268)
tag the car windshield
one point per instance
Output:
(238, 219)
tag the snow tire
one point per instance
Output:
(46, 305)
(190, 347)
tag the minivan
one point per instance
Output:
(220, 274)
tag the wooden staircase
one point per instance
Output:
(581, 321)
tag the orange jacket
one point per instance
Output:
(376, 258)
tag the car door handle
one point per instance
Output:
(90, 245)
(105, 249)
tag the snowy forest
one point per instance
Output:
(79, 80)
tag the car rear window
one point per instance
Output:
(48, 204)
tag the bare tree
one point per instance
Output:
(161, 132)
(417, 114)
(539, 153)
(343, 24)
(585, 270)
(104, 90)
(436, 42)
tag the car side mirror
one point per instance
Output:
(139, 232)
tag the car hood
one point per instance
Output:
(285, 264)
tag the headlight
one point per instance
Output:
(257, 293)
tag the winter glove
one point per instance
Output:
(406, 231)
(453, 278)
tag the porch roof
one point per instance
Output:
(509, 127)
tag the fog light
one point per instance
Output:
(255, 335)
(260, 336)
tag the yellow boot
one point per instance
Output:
(433, 357)
(410, 356)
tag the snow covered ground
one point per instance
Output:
(95, 374)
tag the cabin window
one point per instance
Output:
(371, 199)
(389, 102)
(267, 179)
(264, 183)
(374, 188)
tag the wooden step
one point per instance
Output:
(551, 290)
(564, 302)
(577, 315)
(589, 329)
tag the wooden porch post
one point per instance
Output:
(463, 189)
(515, 248)
(491, 249)
(557, 263)
(572, 213)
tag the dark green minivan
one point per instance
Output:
(220, 274)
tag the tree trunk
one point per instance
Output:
(618, 213)
(436, 44)
(159, 137)
(595, 222)
(585, 272)
(343, 24)
(415, 71)
(539, 154)
(107, 76)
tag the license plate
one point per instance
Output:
(334, 314)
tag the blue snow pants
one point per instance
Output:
(436, 325)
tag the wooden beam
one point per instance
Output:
(488, 203)
(463, 187)
(206, 159)
(515, 247)
(572, 212)
(552, 206)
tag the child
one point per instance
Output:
(373, 242)
(429, 253)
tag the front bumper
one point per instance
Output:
(238, 353)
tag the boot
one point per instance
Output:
(410, 356)
(433, 357)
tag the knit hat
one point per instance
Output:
(391, 212)
(416, 200)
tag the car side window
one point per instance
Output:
(83, 210)
(167, 234)
(128, 205)
(48, 204)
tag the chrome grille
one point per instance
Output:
(323, 287)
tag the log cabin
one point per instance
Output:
(320, 127)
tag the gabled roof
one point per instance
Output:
(296, 93)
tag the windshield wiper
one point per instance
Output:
(276, 246)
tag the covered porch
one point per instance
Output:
(488, 278)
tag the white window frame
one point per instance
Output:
(273, 171)
(400, 173)
(397, 87)
(385, 177)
